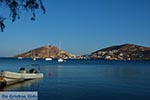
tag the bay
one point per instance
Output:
(84, 79)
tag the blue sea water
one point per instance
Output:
(85, 79)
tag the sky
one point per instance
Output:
(82, 26)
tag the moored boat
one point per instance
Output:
(8, 78)
(60, 60)
(48, 59)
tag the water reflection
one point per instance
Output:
(55, 70)
(32, 84)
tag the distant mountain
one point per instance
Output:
(118, 52)
(122, 52)
(47, 52)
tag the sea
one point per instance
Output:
(84, 79)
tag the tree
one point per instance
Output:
(15, 7)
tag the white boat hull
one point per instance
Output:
(12, 81)
(20, 58)
(13, 75)
(48, 59)
(9, 78)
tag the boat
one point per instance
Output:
(33, 55)
(20, 58)
(8, 77)
(34, 59)
(60, 60)
(47, 59)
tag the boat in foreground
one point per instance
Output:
(8, 78)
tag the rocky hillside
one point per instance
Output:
(46, 52)
(122, 52)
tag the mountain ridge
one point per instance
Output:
(46, 52)
(122, 52)
(115, 52)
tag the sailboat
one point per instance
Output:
(48, 58)
(33, 54)
(60, 59)
(20, 57)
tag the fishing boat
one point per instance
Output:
(8, 77)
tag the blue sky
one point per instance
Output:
(82, 26)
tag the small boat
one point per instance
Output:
(60, 60)
(8, 78)
(34, 59)
(48, 59)
(20, 58)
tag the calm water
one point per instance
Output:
(85, 79)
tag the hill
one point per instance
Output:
(46, 52)
(122, 52)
